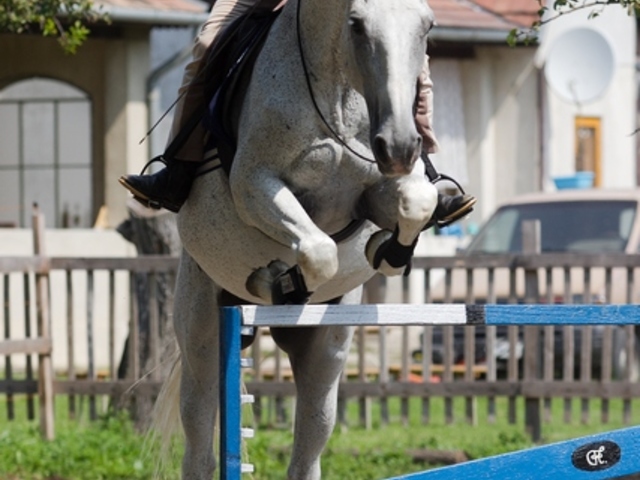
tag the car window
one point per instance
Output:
(585, 226)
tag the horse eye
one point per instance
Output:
(429, 26)
(357, 25)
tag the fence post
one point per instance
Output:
(45, 369)
(532, 366)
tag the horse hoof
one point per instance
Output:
(277, 268)
(259, 283)
(278, 284)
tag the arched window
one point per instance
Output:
(45, 153)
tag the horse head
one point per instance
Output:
(387, 42)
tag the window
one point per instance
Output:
(588, 147)
(45, 153)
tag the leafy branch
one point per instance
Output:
(560, 8)
(65, 19)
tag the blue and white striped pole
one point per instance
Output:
(602, 456)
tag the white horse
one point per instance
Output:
(332, 89)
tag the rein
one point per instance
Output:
(307, 78)
(354, 225)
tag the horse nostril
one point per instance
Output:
(417, 149)
(380, 150)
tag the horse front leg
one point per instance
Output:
(401, 207)
(265, 202)
(196, 326)
(317, 357)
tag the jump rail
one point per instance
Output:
(603, 456)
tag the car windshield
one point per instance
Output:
(580, 226)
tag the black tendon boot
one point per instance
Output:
(167, 188)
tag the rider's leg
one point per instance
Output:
(169, 187)
(450, 207)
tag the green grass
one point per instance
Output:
(110, 448)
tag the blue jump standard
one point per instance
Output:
(603, 456)
(230, 405)
(607, 455)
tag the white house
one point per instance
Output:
(70, 125)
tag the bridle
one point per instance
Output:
(307, 78)
(431, 172)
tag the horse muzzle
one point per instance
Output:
(397, 157)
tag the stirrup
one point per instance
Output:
(159, 158)
(434, 176)
(442, 176)
(139, 196)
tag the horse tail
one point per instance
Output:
(165, 419)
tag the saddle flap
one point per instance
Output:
(233, 55)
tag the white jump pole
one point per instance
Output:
(602, 456)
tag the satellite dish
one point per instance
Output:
(580, 65)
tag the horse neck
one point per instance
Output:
(322, 31)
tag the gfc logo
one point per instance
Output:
(596, 456)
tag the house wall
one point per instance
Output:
(113, 72)
(26, 56)
(617, 106)
(501, 123)
(520, 133)
(126, 117)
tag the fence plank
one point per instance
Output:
(626, 405)
(606, 373)
(492, 367)
(7, 345)
(26, 346)
(471, 406)
(91, 373)
(71, 345)
(26, 285)
(45, 367)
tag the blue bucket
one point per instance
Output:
(579, 180)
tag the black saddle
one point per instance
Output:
(228, 63)
(229, 66)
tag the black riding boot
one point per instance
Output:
(167, 188)
(451, 208)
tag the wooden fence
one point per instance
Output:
(533, 363)
(135, 371)
(405, 362)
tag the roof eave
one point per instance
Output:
(469, 35)
(154, 17)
